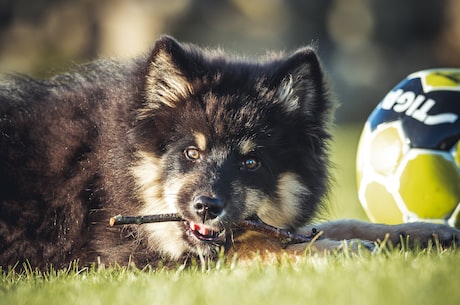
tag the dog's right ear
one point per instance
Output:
(166, 83)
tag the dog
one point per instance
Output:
(213, 137)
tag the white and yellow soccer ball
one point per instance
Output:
(408, 161)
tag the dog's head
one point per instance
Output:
(223, 139)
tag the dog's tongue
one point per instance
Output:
(199, 228)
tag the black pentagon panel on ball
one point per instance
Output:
(427, 104)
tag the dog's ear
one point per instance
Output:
(166, 83)
(301, 85)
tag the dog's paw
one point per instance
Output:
(408, 234)
(423, 233)
(328, 245)
(362, 244)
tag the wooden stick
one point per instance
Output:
(251, 225)
(285, 235)
(137, 220)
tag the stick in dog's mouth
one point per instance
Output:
(138, 220)
(251, 225)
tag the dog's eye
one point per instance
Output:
(193, 154)
(250, 164)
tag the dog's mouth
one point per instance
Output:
(205, 233)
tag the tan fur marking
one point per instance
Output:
(168, 235)
(287, 96)
(281, 214)
(173, 83)
(290, 189)
(165, 83)
(147, 174)
(266, 209)
(247, 146)
(200, 140)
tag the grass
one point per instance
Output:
(343, 201)
(388, 277)
(392, 277)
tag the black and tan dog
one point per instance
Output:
(185, 130)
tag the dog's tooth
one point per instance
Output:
(203, 230)
(194, 226)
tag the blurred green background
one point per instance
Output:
(367, 46)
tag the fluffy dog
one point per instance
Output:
(215, 138)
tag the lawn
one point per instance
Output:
(387, 277)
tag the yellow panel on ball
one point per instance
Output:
(429, 184)
(381, 205)
(386, 150)
(443, 79)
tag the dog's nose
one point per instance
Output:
(207, 207)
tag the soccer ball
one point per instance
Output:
(408, 161)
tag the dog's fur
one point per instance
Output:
(214, 138)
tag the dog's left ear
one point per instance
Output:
(302, 87)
